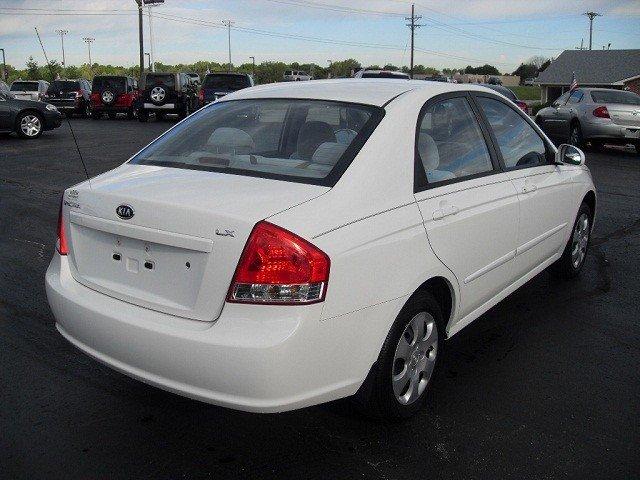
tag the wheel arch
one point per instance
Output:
(27, 110)
(590, 200)
(443, 292)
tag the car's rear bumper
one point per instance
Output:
(610, 131)
(253, 358)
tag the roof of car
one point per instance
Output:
(355, 90)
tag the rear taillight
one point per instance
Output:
(95, 99)
(601, 112)
(279, 267)
(523, 106)
(61, 243)
(201, 95)
(78, 93)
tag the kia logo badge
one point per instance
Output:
(125, 212)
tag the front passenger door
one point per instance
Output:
(544, 189)
(469, 207)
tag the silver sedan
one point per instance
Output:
(594, 115)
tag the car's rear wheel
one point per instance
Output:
(143, 115)
(160, 116)
(96, 115)
(575, 135)
(130, 114)
(112, 115)
(397, 384)
(29, 125)
(572, 260)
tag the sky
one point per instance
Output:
(454, 33)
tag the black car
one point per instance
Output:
(162, 93)
(216, 85)
(70, 96)
(28, 118)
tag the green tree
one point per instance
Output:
(485, 69)
(33, 72)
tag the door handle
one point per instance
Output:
(529, 187)
(445, 212)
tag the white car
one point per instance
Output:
(296, 76)
(292, 244)
(29, 89)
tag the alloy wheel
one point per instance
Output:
(414, 358)
(580, 241)
(30, 125)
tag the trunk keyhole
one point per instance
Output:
(116, 257)
(148, 265)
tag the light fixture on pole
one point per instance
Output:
(62, 33)
(88, 41)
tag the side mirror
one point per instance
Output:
(569, 155)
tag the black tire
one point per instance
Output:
(18, 125)
(575, 135)
(130, 114)
(596, 145)
(96, 115)
(566, 267)
(112, 115)
(143, 116)
(160, 116)
(376, 396)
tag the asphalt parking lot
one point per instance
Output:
(544, 385)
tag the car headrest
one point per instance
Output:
(328, 153)
(231, 140)
(428, 151)
(310, 136)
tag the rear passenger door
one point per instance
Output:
(469, 206)
(544, 189)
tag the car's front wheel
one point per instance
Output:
(143, 115)
(29, 125)
(575, 135)
(397, 384)
(572, 260)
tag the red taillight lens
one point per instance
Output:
(523, 106)
(61, 243)
(95, 99)
(279, 267)
(601, 112)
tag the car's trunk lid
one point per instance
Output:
(626, 115)
(178, 251)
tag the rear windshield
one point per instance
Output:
(24, 87)
(154, 79)
(64, 86)
(109, 83)
(309, 141)
(613, 96)
(288, 72)
(226, 82)
(384, 75)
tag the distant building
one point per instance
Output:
(593, 68)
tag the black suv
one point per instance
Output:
(70, 96)
(219, 84)
(162, 93)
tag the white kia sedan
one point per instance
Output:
(292, 244)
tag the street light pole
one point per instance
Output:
(591, 16)
(330, 63)
(140, 36)
(228, 24)
(4, 66)
(253, 69)
(88, 41)
(148, 60)
(62, 33)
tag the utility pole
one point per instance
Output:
(228, 24)
(140, 36)
(591, 16)
(4, 66)
(148, 60)
(329, 73)
(253, 69)
(413, 25)
(62, 33)
(88, 41)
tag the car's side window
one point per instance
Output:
(450, 144)
(561, 100)
(575, 96)
(519, 143)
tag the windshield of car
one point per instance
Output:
(162, 79)
(64, 86)
(226, 82)
(109, 83)
(309, 141)
(614, 96)
(24, 87)
(398, 76)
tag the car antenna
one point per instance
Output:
(84, 166)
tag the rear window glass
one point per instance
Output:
(113, 83)
(628, 98)
(385, 75)
(226, 82)
(24, 87)
(64, 85)
(168, 80)
(309, 141)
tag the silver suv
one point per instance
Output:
(594, 115)
(29, 89)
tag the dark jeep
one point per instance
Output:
(113, 95)
(163, 93)
(219, 84)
